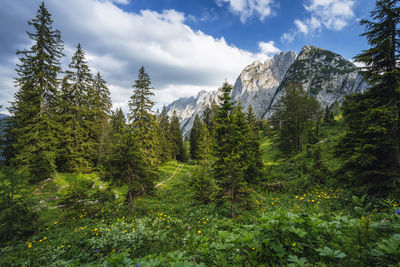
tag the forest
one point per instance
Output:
(83, 184)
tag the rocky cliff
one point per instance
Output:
(323, 74)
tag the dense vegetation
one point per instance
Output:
(81, 184)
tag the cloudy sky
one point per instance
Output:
(185, 46)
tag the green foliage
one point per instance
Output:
(295, 114)
(202, 183)
(143, 121)
(76, 147)
(17, 215)
(179, 151)
(194, 138)
(33, 109)
(371, 147)
(165, 136)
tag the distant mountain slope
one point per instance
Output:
(323, 74)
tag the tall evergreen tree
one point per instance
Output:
(230, 151)
(253, 156)
(294, 116)
(34, 106)
(178, 149)
(143, 120)
(100, 109)
(127, 165)
(194, 138)
(76, 147)
(372, 142)
(118, 121)
(164, 135)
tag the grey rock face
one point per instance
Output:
(323, 74)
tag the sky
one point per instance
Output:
(185, 46)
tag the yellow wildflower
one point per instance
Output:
(199, 232)
(29, 245)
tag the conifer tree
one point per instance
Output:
(143, 120)
(194, 138)
(230, 150)
(118, 121)
(294, 116)
(127, 165)
(76, 147)
(33, 124)
(100, 109)
(253, 157)
(371, 145)
(178, 149)
(164, 135)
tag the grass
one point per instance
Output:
(270, 153)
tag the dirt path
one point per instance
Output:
(178, 169)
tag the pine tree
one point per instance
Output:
(294, 116)
(230, 151)
(371, 145)
(143, 120)
(253, 156)
(127, 165)
(118, 121)
(77, 147)
(194, 138)
(33, 124)
(178, 149)
(100, 109)
(165, 136)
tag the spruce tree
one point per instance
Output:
(194, 138)
(165, 136)
(253, 156)
(33, 123)
(100, 109)
(371, 145)
(118, 121)
(230, 151)
(143, 120)
(294, 116)
(178, 149)
(77, 147)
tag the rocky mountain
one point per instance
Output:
(323, 74)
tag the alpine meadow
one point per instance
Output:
(297, 163)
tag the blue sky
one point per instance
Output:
(186, 46)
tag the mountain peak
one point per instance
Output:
(322, 73)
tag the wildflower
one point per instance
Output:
(199, 232)
(45, 238)
(29, 245)
(253, 248)
(40, 240)
(190, 228)
(397, 212)
(297, 196)
(294, 244)
(96, 229)
(113, 250)
(312, 200)
(62, 246)
(55, 222)
(47, 229)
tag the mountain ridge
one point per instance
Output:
(322, 73)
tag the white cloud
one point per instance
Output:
(301, 26)
(287, 37)
(329, 14)
(247, 8)
(180, 61)
(269, 48)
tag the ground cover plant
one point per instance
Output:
(82, 185)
